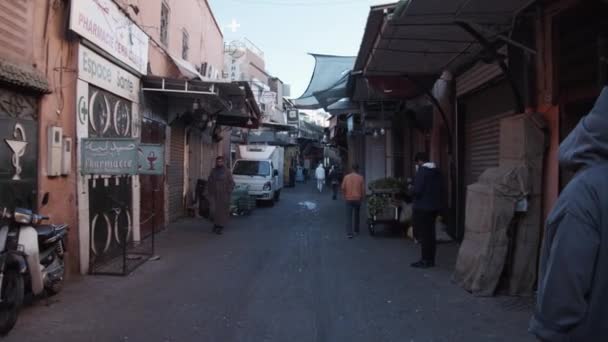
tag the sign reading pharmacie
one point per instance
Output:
(97, 70)
(102, 156)
(103, 23)
(119, 156)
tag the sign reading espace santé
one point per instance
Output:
(95, 69)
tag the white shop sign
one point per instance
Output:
(102, 23)
(95, 69)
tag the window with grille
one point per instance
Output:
(185, 48)
(164, 24)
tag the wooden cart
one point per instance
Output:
(383, 207)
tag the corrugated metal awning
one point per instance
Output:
(423, 37)
(232, 102)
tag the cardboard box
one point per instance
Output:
(522, 137)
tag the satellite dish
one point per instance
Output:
(236, 49)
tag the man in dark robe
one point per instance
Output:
(220, 186)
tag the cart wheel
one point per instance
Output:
(372, 229)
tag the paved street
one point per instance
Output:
(286, 273)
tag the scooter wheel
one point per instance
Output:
(12, 297)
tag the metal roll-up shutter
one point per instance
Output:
(195, 154)
(478, 75)
(481, 145)
(483, 113)
(175, 172)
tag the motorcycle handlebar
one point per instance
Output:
(5, 214)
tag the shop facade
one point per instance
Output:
(112, 56)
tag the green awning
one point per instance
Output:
(328, 82)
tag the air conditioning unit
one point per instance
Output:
(203, 69)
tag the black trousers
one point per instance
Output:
(334, 188)
(352, 211)
(424, 231)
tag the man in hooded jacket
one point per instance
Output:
(426, 193)
(572, 302)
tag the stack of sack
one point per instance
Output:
(497, 238)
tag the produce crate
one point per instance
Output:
(241, 203)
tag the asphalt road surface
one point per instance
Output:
(286, 273)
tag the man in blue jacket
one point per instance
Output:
(572, 302)
(427, 203)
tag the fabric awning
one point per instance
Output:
(186, 68)
(328, 82)
(417, 40)
(343, 106)
(232, 102)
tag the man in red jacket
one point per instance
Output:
(353, 189)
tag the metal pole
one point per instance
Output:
(124, 251)
(154, 215)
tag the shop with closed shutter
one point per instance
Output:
(175, 170)
(479, 114)
(153, 187)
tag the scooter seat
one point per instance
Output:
(45, 231)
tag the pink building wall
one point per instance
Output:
(57, 59)
(206, 43)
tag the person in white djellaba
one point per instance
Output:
(320, 175)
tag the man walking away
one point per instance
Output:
(353, 189)
(335, 181)
(573, 280)
(320, 175)
(427, 202)
(220, 186)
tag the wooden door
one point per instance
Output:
(152, 188)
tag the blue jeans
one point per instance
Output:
(352, 209)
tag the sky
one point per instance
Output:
(288, 30)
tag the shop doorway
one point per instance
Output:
(152, 216)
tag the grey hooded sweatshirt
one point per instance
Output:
(572, 303)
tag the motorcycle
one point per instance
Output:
(31, 260)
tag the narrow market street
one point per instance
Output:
(286, 273)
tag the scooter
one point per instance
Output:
(31, 260)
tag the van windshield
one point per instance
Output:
(251, 168)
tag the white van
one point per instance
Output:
(261, 168)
